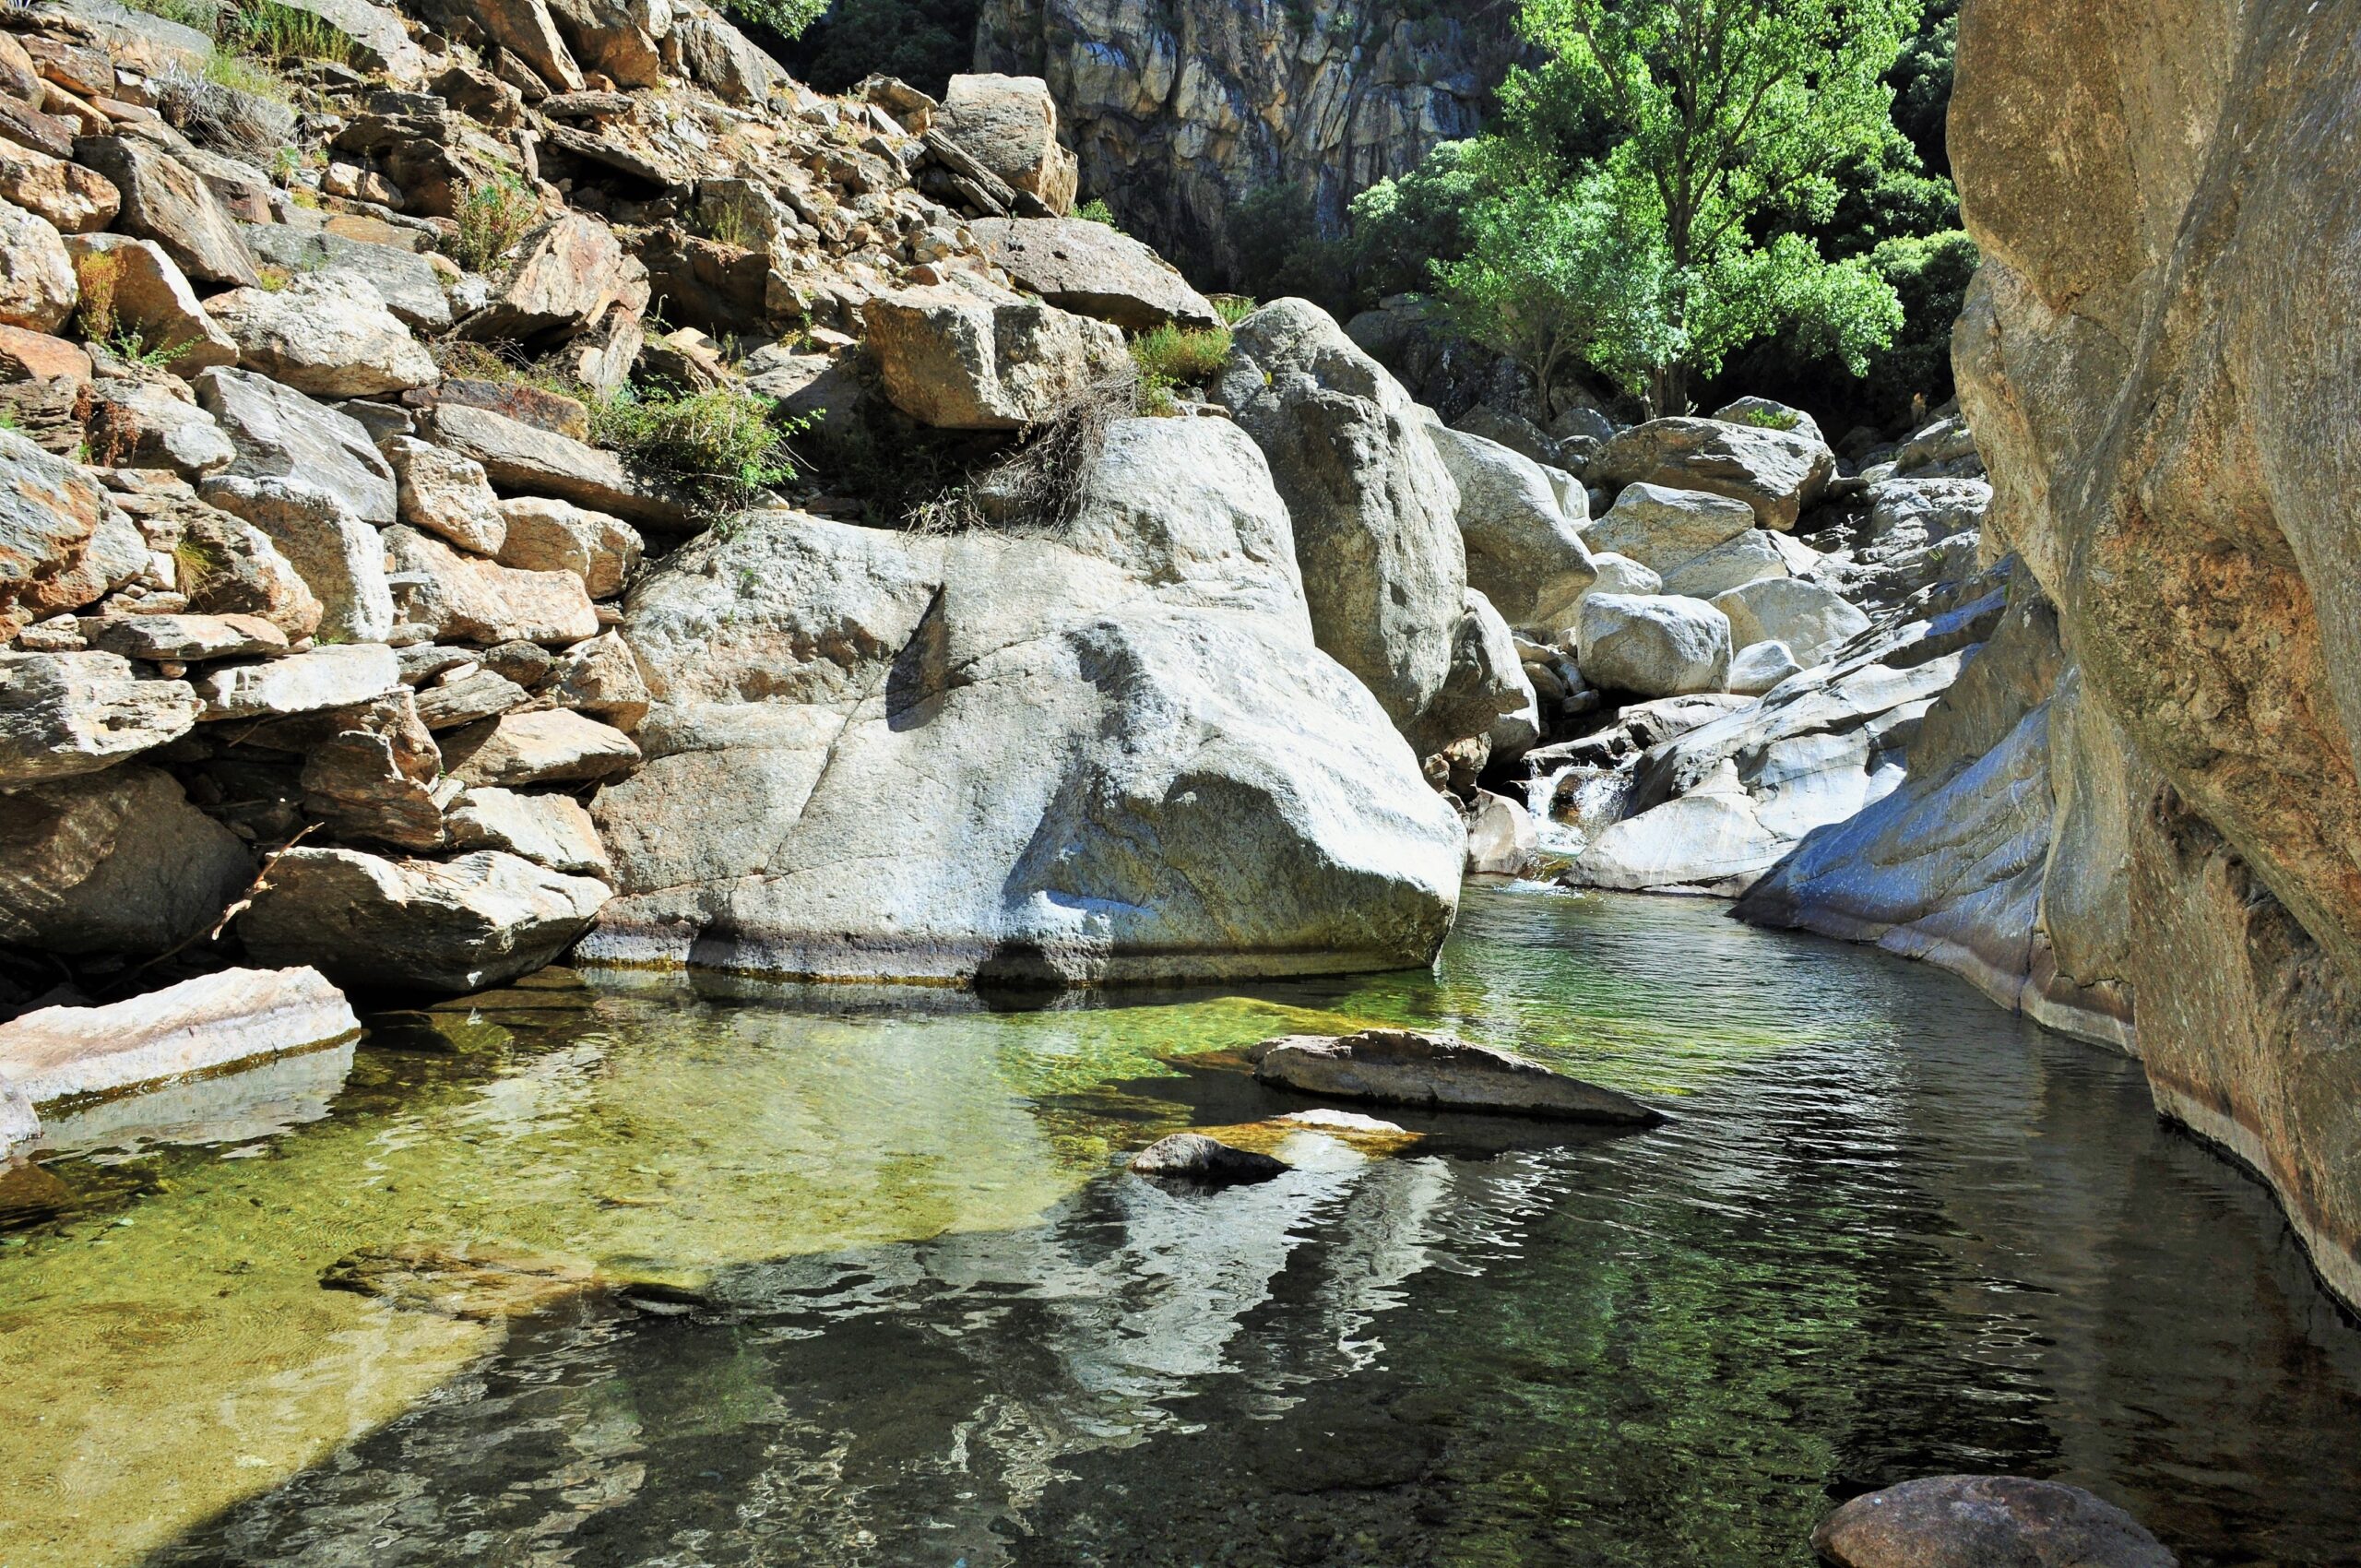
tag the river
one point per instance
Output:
(894, 1302)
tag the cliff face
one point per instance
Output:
(1181, 110)
(2157, 361)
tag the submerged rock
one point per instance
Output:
(481, 1284)
(1986, 1522)
(1404, 1068)
(1192, 1157)
(199, 1026)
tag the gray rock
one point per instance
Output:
(228, 566)
(1045, 708)
(152, 298)
(444, 493)
(1404, 1068)
(340, 558)
(1010, 125)
(163, 200)
(1653, 646)
(301, 683)
(464, 598)
(1514, 432)
(459, 699)
(145, 424)
(1501, 837)
(1487, 694)
(542, 535)
(19, 1126)
(37, 286)
(327, 333)
(566, 273)
(63, 714)
(967, 354)
(1986, 1522)
(600, 677)
(453, 925)
(1620, 574)
(1092, 270)
(1523, 551)
(1195, 1157)
(1758, 667)
(1662, 527)
(189, 639)
(549, 831)
(1734, 563)
(404, 280)
(117, 861)
(1811, 620)
(1765, 413)
(196, 1028)
(372, 773)
(50, 511)
(1778, 473)
(552, 747)
(521, 458)
(279, 432)
(1374, 511)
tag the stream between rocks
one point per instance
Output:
(855, 1278)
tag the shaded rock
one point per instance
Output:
(1758, 667)
(549, 831)
(227, 566)
(457, 699)
(445, 494)
(1620, 574)
(1986, 1522)
(340, 558)
(163, 200)
(967, 354)
(1654, 646)
(1092, 270)
(74, 200)
(404, 281)
(519, 459)
(1010, 125)
(1374, 511)
(565, 274)
(1486, 697)
(1501, 837)
(553, 746)
(370, 771)
(1523, 551)
(1811, 620)
(1045, 707)
(1403, 1067)
(380, 43)
(147, 424)
(1662, 527)
(279, 432)
(1192, 1157)
(1512, 430)
(526, 29)
(456, 925)
(542, 535)
(49, 512)
(720, 58)
(600, 677)
(197, 1028)
(37, 356)
(465, 598)
(1751, 557)
(326, 333)
(1776, 472)
(301, 683)
(153, 297)
(118, 862)
(37, 286)
(190, 639)
(63, 714)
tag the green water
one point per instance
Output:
(1892, 1231)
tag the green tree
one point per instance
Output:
(1732, 120)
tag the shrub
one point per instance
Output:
(202, 15)
(275, 31)
(239, 74)
(492, 216)
(786, 18)
(1096, 210)
(1234, 308)
(724, 445)
(97, 276)
(1182, 356)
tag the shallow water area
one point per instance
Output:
(871, 1288)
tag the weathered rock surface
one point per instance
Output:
(967, 354)
(1403, 1067)
(521, 460)
(1662, 527)
(1986, 1522)
(327, 333)
(163, 200)
(1811, 620)
(1195, 1157)
(147, 424)
(19, 1126)
(465, 599)
(552, 747)
(541, 535)
(444, 493)
(72, 199)
(152, 297)
(1653, 646)
(63, 714)
(404, 280)
(37, 286)
(281, 433)
(1046, 708)
(427, 925)
(1010, 125)
(549, 831)
(187, 638)
(1373, 510)
(117, 861)
(566, 273)
(198, 1026)
(1776, 472)
(1094, 270)
(340, 558)
(1525, 553)
(1751, 557)
(301, 683)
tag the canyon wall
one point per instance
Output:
(2158, 360)
(1181, 112)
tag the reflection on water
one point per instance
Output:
(1891, 1233)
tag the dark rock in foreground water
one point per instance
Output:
(1986, 1522)
(1192, 1157)
(1404, 1068)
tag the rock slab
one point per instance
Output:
(1403, 1067)
(198, 1026)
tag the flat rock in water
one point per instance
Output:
(477, 1286)
(1403, 1067)
(1986, 1522)
(1192, 1157)
(198, 1026)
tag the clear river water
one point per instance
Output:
(849, 1279)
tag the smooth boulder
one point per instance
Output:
(327, 333)
(1986, 1522)
(1092, 270)
(1662, 527)
(967, 354)
(1196, 1159)
(1525, 553)
(1811, 620)
(197, 1028)
(1653, 644)
(1778, 473)
(1404, 1067)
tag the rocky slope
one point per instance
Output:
(1179, 113)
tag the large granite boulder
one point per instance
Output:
(1811, 620)
(967, 354)
(117, 861)
(1010, 125)
(1118, 755)
(416, 925)
(1653, 644)
(1092, 270)
(1777, 472)
(1662, 527)
(1373, 508)
(1525, 553)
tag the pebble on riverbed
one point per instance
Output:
(1986, 1522)
(1192, 1157)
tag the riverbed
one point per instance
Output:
(871, 1287)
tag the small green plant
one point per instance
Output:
(729, 223)
(492, 216)
(240, 72)
(97, 275)
(1234, 308)
(275, 31)
(1181, 356)
(202, 15)
(1096, 210)
(724, 444)
(1770, 418)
